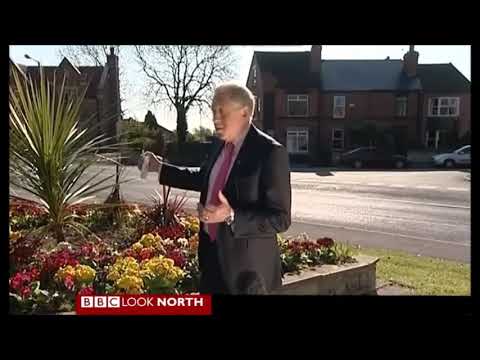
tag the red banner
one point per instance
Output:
(144, 305)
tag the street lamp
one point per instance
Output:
(30, 58)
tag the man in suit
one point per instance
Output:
(245, 199)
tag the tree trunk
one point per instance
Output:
(181, 125)
(60, 237)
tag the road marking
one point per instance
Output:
(398, 185)
(457, 189)
(426, 187)
(375, 184)
(350, 182)
(384, 233)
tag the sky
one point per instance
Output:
(136, 106)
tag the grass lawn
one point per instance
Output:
(424, 275)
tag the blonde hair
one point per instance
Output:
(237, 93)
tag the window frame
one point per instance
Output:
(335, 139)
(397, 113)
(439, 106)
(290, 98)
(335, 115)
(297, 132)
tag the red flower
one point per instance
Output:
(25, 292)
(22, 208)
(87, 291)
(68, 282)
(21, 281)
(59, 259)
(146, 254)
(88, 250)
(325, 242)
(177, 256)
(170, 232)
(129, 252)
(16, 281)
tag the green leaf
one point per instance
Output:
(49, 152)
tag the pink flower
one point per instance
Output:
(25, 292)
(88, 291)
(68, 282)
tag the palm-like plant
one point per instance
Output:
(49, 152)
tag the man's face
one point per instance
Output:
(229, 118)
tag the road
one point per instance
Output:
(424, 212)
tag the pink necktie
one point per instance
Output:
(219, 184)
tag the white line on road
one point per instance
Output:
(350, 182)
(398, 185)
(457, 189)
(384, 233)
(426, 187)
(375, 184)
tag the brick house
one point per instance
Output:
(320, 108)
(446, 106)
(101, 105)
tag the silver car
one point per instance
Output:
(460, 157)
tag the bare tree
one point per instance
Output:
(96, 55)
(184, 76)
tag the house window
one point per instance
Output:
(297, 141)
(338, 139)
(338, 107)
(444, 106)
(257, 107)
(297, 105)
(401, 106)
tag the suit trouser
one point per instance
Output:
(211, 279)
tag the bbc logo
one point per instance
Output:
(100, 301)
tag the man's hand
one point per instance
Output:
(154, 161)
(215, 214)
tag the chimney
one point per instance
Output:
(114, 72)
(315, 58)
(410, 62)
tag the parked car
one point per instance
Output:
(373, 157)
(459, 157)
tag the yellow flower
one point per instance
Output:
(130, 284)
(195, 228)
(113, 275)
(137, 246)
(127, 266)
(148, 240)
(84, 273)
(62, 273)
(162, 268)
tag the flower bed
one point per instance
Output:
(130, 253)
